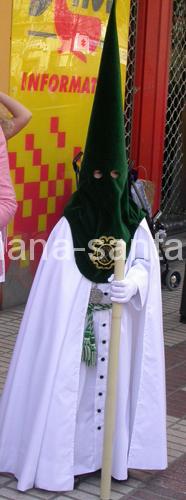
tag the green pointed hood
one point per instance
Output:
(101, 208)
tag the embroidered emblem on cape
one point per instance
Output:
(103, 252)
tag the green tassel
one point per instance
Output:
(89, 351)
(89, 348)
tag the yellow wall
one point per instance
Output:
(55, 79)
(41, 58)
(34, 59)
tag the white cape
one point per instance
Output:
(39, 405)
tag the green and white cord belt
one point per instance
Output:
(89, 351)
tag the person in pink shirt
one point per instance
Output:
(8, 128)
(8, 203)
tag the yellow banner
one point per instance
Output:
(55, 56)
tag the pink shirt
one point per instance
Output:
(8, 203)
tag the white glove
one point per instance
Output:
(122, 291)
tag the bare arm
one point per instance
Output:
(20, 116)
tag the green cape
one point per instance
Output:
(102, 208)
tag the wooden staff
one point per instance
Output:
(110, 406)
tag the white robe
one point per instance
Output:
(48, 412)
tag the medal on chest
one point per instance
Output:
(103, 252)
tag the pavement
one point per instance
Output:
(146, 485)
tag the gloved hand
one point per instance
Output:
(122, 291)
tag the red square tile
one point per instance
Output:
(29, 142)
(61, 140)
(51, 188)
(31, 189)
(54, 124)
(19, 175)
(12, 160)
(42, 206)
(44, 172)
(60, 170)
(36, 157)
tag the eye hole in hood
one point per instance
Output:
(114, 174)
(97, 174)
